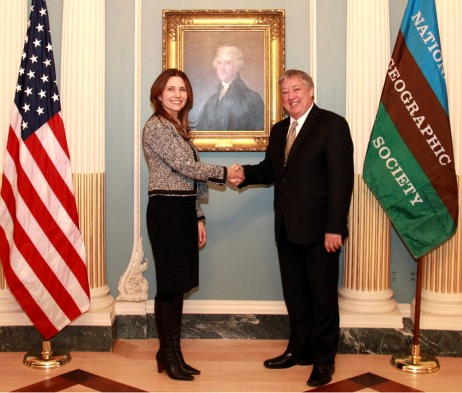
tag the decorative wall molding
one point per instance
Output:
(313, 42)
(132, 285)
(229, 307)
(248, 307)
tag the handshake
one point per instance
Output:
(235, 174)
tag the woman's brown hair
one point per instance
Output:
(156, 90)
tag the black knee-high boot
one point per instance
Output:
(166, 320)
(178, 306)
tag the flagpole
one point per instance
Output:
(415, 362)
(46, 359)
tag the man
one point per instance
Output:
(312, 194)
(233, 106)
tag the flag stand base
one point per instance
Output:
(415, 363)
(46, 359)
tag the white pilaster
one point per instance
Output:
(441, 303)
(83, 112)
(13, 25)
(365, 296)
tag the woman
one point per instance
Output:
(175, 220)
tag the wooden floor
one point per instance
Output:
(226, 365)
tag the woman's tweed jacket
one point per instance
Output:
(174, 165)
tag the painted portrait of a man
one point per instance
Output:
(226, 70)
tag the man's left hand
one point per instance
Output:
(332, 242)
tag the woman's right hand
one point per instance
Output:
(235, 174)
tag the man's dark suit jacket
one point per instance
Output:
(312, 192)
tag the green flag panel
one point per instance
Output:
(407, 195)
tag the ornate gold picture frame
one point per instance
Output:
(191, 41)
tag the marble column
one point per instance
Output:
(83, 112)
(365, 297)
(441, 306)
(13, 25)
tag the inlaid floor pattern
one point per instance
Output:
(226, 365)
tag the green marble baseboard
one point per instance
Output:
(253, 327)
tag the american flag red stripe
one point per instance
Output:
(45, 163)
(42, 323)
(41, 247)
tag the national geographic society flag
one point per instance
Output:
(409, 163)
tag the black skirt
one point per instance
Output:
(172, 229)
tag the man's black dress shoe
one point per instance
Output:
(286, 360)
(321, 374)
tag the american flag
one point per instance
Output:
(41, 247)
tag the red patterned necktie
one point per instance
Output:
(290, 139)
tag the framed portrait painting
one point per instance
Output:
(233, 59)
